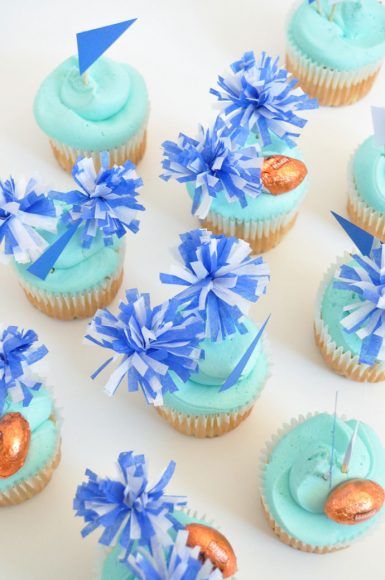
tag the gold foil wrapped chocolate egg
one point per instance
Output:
(15, 438)
(354, 501)
(214, 547)
(281, 174)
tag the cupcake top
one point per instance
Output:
(305, 472)
(235, 179)
(152, 346)
(355, 37)
(352, 303)
(368, 172)
(28, 433)
(98, 115)
(93, 218)
(220, 279)
(153, 539)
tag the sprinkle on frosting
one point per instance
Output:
(19, 350)
(366, 277)
(220, 278)
(214, 163)
(23, 210)
(148, 343)
(127, 508)
(259, 96)
(178, 562)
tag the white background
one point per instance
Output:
(179, 46)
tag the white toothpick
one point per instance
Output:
(349, 450)
(333, 12)
(85, 78)
(319, 7)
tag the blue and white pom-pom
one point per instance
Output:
(214, 164)
(178, 562)
(105, 205)
(259, 97)
(150, 345)
(366, 277)
(106, 201)
(127, 508)
(19, 350)
(221, 278)
(23, 211)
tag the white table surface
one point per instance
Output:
(180, 47)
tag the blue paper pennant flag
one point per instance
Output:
(43, 265)
(236, 373)
(361, 238)
(93, 43)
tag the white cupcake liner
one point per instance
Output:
(359, 211)
(284, 536)
(330, 86)
(341, 361)
(102, 552)
(216, 424)
(262, 235)
(132, 150)
(33, 485)
(67, 305)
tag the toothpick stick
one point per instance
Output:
(332, 12)
(333, 442)
(85, 78)
(319, 7)
(349, 450)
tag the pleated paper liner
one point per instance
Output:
(133, 150)
(70, 306)
(360, 212)
(262, 235)
(284, 536)
(331, 87)
(104, 551)
(340, 361)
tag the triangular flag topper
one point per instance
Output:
(93, 43)
(236, 373)
(361, 238)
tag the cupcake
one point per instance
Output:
(244, 174)
(366, 206)
(220, 279)
(107, 111)
(82, 268)
(29, 429)
(147, 533)
(350, 313)
(322, 481)
(335, 49)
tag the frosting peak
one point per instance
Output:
(103, 95)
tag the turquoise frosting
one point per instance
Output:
(114, 570)
(332, 312)
(201, 395)
(78, 269)
(355, 38)
(44, 436)
(369, 174)
(296, 477)
(100, 115)
(266, 206)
